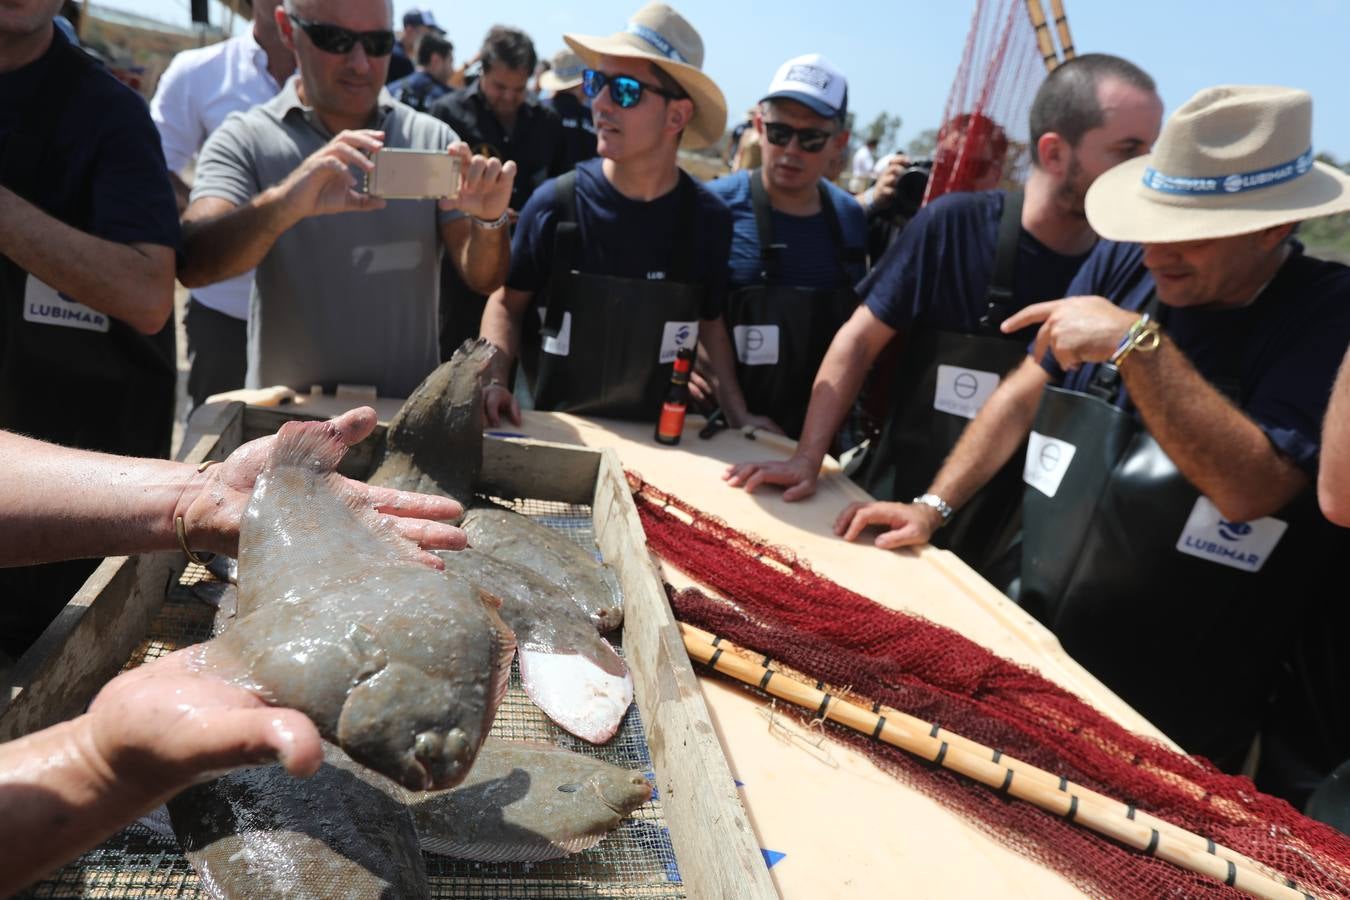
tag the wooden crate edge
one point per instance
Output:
(715, 845)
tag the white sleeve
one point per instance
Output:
(175, 115)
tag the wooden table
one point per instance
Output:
(832, 825)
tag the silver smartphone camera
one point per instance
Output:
(413, 174)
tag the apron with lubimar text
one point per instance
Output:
(1188, 615)
(68, 373)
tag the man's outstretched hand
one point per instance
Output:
(212, 508)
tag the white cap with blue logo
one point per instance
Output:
(813, 81)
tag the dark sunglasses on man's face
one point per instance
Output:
(336, 39)
(624, 90)
(811, 140)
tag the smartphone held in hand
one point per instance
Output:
(413, 174)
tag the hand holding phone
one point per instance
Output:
(400, 174)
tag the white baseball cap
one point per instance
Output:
(813, 81)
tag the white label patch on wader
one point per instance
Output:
(675, 336)
(962, 392)
(1241, 545)
(1047, 462)
(44, 306)
(756, 345)
(562, 344)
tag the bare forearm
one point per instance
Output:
(482, 255)
(721, 359)
(57, 800)
(1216, 446)
(501, 325)
(1333, 474)
(837, 384)
(221, 240)
(992, 437)
(130, 283)
(111, 506)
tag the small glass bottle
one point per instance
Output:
(670, 425)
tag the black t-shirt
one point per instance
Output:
(624, 238)
(937, 273)
(103, 171)
(534, 144)
(1286, 345)
(578, 132)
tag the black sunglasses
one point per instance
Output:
(336, 39)
(624, 90)
(811, 140)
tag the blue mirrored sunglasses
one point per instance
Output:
(624, 90)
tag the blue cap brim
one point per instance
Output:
(815, 104)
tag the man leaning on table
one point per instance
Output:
(1173, 404)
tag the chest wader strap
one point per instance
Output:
(566, 238)
(771, 253)
(567, 243)
(999, 299)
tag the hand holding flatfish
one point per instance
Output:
(213, 504)
(339, 618)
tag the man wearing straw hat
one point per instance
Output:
(1174, 404)
(963, 264)
(563, 81)
(631, 252)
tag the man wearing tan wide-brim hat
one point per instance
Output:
(622, 263)
(1173, 405)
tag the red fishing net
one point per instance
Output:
(983, 141)
(773, 603)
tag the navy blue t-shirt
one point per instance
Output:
(810, 258)
(1286, 345)
(103, 171)
(623, 238)
(937, 273)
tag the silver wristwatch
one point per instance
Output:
(937, 503)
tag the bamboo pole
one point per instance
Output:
(990, 767)
(1062, 28)
(1043, 39)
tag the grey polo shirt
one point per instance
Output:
(346, 298)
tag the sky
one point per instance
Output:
(900, 57)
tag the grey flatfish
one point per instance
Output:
(399, 665)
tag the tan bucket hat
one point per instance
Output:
(565, 74)
(660, 34)
(1232, 160)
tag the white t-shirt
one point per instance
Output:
(863, 162)
(194, 95)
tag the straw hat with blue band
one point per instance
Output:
(565, 74)
(1232, 160)
(660, 35)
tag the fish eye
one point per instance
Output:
(569, 788)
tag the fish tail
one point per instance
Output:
(317, 445)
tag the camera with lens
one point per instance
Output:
(907, 196)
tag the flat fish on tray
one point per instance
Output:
(514, 538)
(566, 667)
(260, 833)
(527, 802)
(396, 663)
